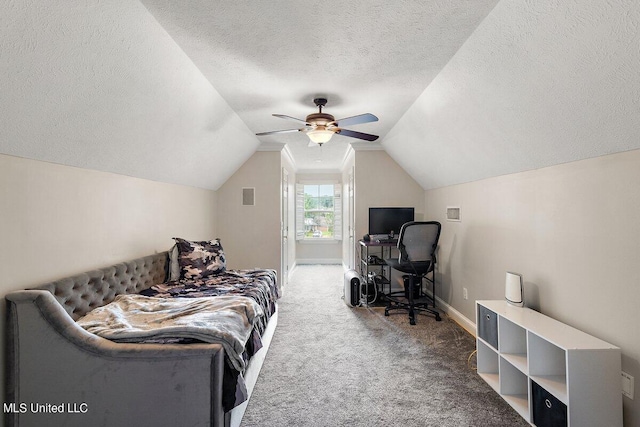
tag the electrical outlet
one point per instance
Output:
(465, 294)
(627, 385)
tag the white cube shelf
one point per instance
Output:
(580, 371)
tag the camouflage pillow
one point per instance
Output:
(174, 266)
(200, 259)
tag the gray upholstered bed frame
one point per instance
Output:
(51, 361)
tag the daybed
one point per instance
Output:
(58, 373)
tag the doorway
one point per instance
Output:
(284, 227)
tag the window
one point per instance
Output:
(318, 212)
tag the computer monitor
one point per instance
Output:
(388, 221)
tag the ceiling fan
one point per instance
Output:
(320, 126)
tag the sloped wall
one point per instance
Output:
(537, 84)
(101, 85)
(540, 87)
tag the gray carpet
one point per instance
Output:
(331, 365)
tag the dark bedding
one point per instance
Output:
(261, 285)
(258, 284)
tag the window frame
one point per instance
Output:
(301, 210)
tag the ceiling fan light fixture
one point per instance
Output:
(321, 126)
(320, 136)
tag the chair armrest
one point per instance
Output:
(51, 359)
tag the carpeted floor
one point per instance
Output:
(331, 365)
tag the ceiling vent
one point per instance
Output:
(248, 196)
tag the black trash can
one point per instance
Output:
(407, 286)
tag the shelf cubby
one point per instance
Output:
(521, 350)
(513, 344)
(514, 386)
(488, 365)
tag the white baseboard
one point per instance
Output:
(458, 317)
(454, 314)
(291, 268)
(307, 261)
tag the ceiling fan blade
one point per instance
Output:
(282, 116)
(356, 120)
(359, 135)
(273, 132)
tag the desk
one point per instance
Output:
(372, 256)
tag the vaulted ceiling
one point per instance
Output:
(175, 91)
(363, 56)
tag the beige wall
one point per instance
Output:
(379, 182)
(251, 234)
(319, 252)
(57, 221)
(572, 230)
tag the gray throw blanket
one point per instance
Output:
(227, 320)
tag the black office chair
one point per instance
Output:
(417, 245)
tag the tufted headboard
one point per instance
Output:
(82, 293)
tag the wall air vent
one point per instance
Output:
(453, 214)
(248, 196)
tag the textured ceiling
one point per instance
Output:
(175, 91)
(371, 56)
(100, 85)
(538, 84)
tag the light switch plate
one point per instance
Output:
(627, 385)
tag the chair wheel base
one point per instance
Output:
(412, 311)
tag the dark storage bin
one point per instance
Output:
(547, 410)
(488, 326)
(407, 287)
